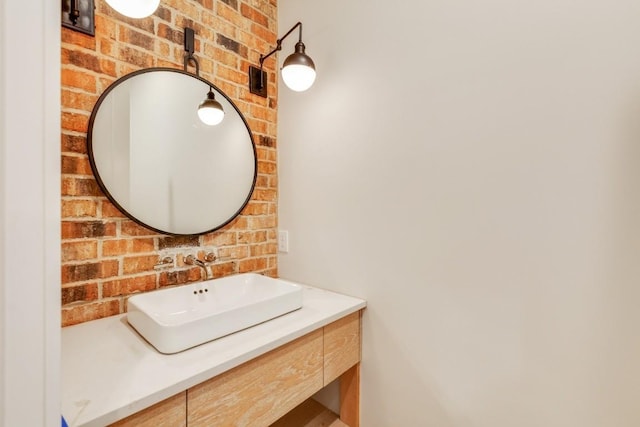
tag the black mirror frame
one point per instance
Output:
(102, 185)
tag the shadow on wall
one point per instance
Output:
(418, 408)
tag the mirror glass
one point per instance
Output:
(162, 166)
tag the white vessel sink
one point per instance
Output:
(179, 318)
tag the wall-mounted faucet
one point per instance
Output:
(192, 260)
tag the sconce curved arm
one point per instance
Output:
(279, 42)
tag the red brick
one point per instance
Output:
(136, 38)
(89, 271)
(76, 186)
(107, 47)
(87, 229)
(252, 237)
(78, 100)
(108, 210)
(78, 39)
(127, 246)
(213, 20)
(108, 67)
(263, 113)
(139, 264)
(73, 143)
(79, 80)
(256, 208)
(180, 277)
(267, 167)
(229, 14)
(130, 228)
(265, 195)
(164, 13)
(79, 208)
(221, 56)
(253, 264)
(79, 251)
(136, 57)
(220, 238)
(265, 249)
(224, 269)
(207, 4)
(265, 34)
(238, 223)
(105, 27)
(231, 75)
(251, 13)
(105, 82)
(85, 292)
(81, 59)
(262, 181)
(76, 165)
(177, 241)
(88, 312)
(171, 34)
(75, 121)
(129, 285)
(262, 222)
(233, 252)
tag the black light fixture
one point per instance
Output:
(79, 15)
(210, 111)
(298, 70)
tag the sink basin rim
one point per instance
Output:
(275, 297)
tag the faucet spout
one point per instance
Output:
(192, 260)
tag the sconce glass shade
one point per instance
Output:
(298, 70)
(134, 8)
(210, 111)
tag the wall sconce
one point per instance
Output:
(134, 8)
(210, 111)
(79, 15)
(298, 70)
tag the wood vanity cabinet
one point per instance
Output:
(168, 413)
(262, 390)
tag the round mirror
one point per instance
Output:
(160, 164)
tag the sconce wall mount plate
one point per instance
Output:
(79, 15)
(258, 81)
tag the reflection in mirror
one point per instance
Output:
(210, 111)
(160, 164)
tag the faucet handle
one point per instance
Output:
(189, 260)
(210, 257)
(164, 263)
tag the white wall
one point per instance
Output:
(29, 213)
(472, 170)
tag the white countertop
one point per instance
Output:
(110, 372)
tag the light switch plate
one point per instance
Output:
(283, 241)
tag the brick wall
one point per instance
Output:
(105, 256)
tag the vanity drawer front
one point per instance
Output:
(341, 346)
(168, 413)
(262, 390)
